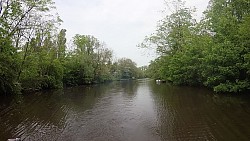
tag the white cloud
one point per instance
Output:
(121, 24)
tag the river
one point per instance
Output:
(138, 110)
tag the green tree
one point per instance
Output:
(87, 61)
(102, 64)
(41, 69)
(20, 22)
(61, 44)
(8, 67)
(85, 44)
(226, 70)
(213, 53)
(174, 39)
(156, 68)
(127, 69)
(173, 32)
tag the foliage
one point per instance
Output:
(17, 21)
(34, 55)
(8, 68)
(41, 68)
(89, 63)
(127, 68)
(213, 52)
(78, 71)
(27, 50)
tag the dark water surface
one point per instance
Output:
(126, 111)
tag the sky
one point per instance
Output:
(121, 24)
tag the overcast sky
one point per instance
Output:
(121, 24)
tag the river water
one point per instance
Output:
(126, 111)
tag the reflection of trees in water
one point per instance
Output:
(165, 112)
(194, 113)
(182, 113)
(128, 88)
(35, 115)
(23, 114)
(229, 100)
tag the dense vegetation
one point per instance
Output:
(34, 54)
(213, 52)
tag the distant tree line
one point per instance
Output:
(34, 54)
(214, 52)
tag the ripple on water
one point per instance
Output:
(126, 111)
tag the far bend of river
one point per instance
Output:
(126, 111)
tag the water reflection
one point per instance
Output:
(125, 111)
(45, 113)
(198, 114)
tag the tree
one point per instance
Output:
(20, 24)
(85, 44)
(89, 63)
(173, 31)
(61, 44)
(127, 69)
(156, 68)
(102, 63)
(8, 67)
(226, 70)
(173, 40)
(213, 53)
